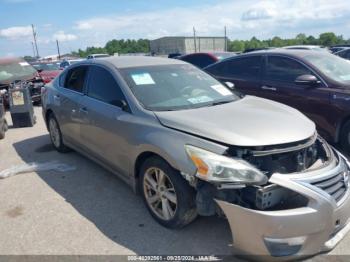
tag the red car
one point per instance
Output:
(202, 60)
(47, 71)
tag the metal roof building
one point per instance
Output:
(185, 45)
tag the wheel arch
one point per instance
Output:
(47, 114)
(141, 158)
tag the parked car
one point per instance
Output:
(17, 69)
(65, 63)
(47, 71)
(94, 56)
(3, 123)
(337, 48)
(174, 55)
(202, 60)
(307, 47)
(248, 50)
(345, 53)
(191, 146)
(316, 83)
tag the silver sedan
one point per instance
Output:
(192, 146)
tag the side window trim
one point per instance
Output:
(297, 61)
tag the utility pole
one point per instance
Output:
(194, 39)
(225, 40)
(58, 50)
(35, 43)
(34, 55)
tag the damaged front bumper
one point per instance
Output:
(309, 230)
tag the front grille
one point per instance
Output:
(335, 186)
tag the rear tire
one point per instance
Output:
(167, 195)
(56, 135)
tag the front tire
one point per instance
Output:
(56, 135)
(168, 197)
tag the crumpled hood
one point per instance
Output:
(250, 121)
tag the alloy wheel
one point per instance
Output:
(54, 133)
(160, 193)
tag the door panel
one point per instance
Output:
(102, 130)
(104, 133)
(67, 102)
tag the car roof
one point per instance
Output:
(138, 61)
(303, 46)
(342, 50)
(300, 53)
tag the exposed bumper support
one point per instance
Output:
(305, 231)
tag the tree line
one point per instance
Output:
(143, 45)
(117, 46)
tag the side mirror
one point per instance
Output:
(230, 85)
(39, 70)
(307, 80)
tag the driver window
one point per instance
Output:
(284, 69)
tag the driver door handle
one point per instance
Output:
(271, 88)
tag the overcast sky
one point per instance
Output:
(78, 23)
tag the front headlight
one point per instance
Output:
(218, 168)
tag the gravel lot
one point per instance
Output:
(88, 211)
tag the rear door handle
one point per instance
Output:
(56, 97)
(271, 88)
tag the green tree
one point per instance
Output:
(301, 39)
(236, 45)
(328, 39)
(277, 42)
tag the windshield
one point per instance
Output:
(15, 70)
(332, 66)
(47, 67)
(175, 87)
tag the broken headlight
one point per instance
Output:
(218, 168)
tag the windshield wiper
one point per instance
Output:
(220, 102)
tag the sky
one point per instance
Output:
(78, 23)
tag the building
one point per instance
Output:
(185, 45)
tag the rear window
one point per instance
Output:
(75, 79)
(241, 68)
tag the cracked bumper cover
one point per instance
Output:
(317, 227)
